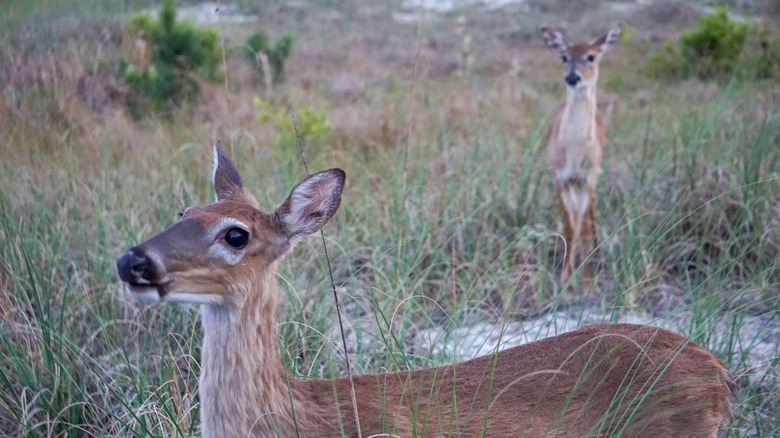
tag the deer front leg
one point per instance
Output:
(569, 237)
(591, 217)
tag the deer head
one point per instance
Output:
(580, 61)
(213, 247)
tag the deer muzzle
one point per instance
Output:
(141, 275)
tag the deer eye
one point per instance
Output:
(237, 237)
(564, 58)
(591, 58)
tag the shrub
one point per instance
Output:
(762, 55)
(277, 55)
(313, 125)
(710, 50)
(180, 53)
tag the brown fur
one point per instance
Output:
(589, 382)
(599, 380)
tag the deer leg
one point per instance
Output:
(576, 248)
(586, 236)
(590, 234)
(591, 216)
(568, 237)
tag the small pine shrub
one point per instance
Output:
(180, 53)
(710, 50)
(277, 54)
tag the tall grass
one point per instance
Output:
(688, 207)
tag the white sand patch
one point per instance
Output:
(758, 337)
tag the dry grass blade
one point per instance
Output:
(302, 152)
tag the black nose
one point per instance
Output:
(134, 267)
(572, 78)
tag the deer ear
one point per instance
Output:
(606, 41)
(555, 38)
(227, 181)
(311, 203)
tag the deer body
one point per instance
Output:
(522, 391)
(575, 142)
(599, 380)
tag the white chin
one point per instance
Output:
(194, 298)
(143, 294)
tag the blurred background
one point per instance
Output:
(448, 240)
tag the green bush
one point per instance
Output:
(180, 54)
(313, 124)
(710, 50)
(277, 54)
(762, 55)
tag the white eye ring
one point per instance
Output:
(220, 248)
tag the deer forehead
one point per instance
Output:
(580, 50)
(226, 214)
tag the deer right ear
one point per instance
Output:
(606, 41)
(555, 38)
(227, 181)
(311, 203)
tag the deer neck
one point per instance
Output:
(243, 386)
(578, 120)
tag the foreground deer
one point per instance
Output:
(576, 141)
(599, 380)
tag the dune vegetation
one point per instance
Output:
(449, 219)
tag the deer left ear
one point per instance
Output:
(555, 38)
(311, 203)
(227, 181)
(606, 41)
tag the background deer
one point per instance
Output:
(599, 380)
(575, 142)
